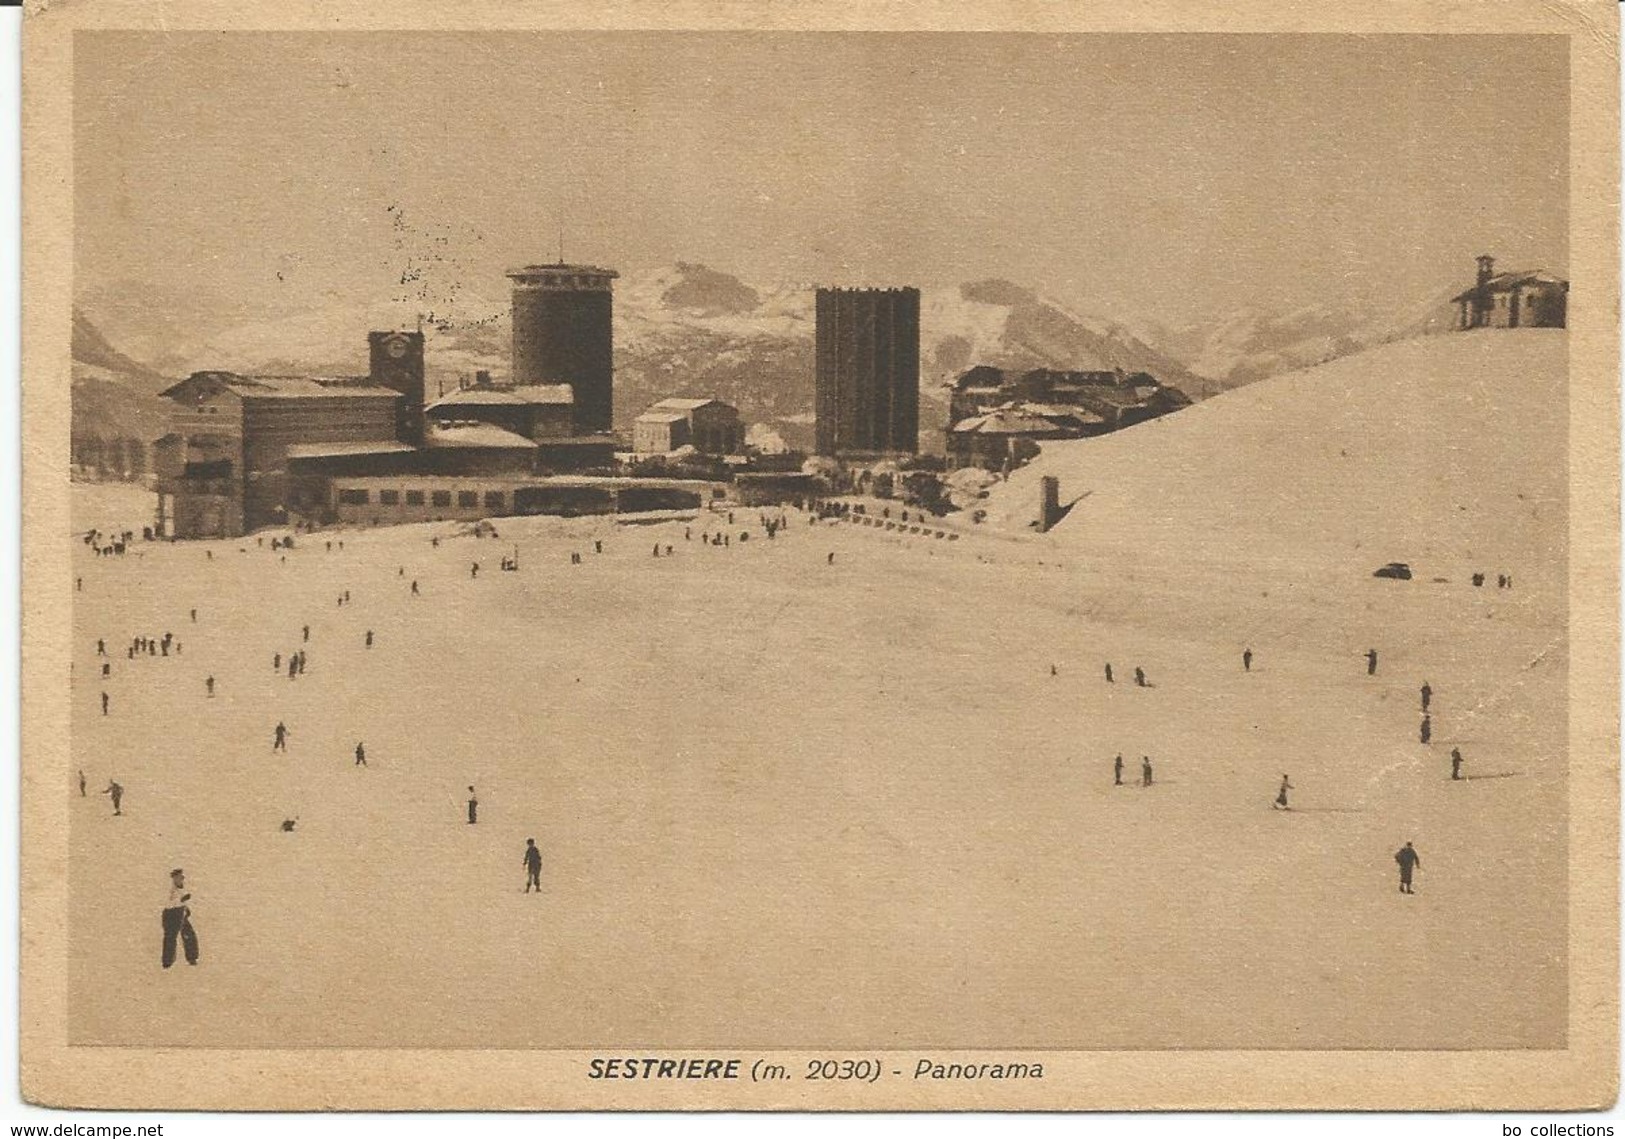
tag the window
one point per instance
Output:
(414, 498)
(353, 497)
(440, 498)
(389, 498)
(467, 498)
(493, 500)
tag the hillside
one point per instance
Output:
(1249, 344)
(1446, 452)
(114, 396)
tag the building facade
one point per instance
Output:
(1534, 299)
(223, 467)
(710, 426)
(867, 384)
(536, 411)
(563, 333)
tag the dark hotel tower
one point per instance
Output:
(396, 361)
(562, 334)
(868, 378)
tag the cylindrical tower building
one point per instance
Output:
(563, 334)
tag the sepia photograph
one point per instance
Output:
(744, 562)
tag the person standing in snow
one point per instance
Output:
(473, 807)
(1371, 662)
(533, 866)
(177, 921)
(1408, 861)
(1246, 660)
(1145, 771)
(1117, 772)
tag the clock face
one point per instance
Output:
(396, 348)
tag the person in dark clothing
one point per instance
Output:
(1247, 660)
(107, 670)
(1455, 763)
(831, 560)
(116, 793)
(1371, 662)
(369, 638)
(1408, 861)
(104, 703)
(1145, 771)
(1139, 678)
(474, 570)
(414, 587)
(177, 921)
(1053, 671)
(81, 784)
(533, 866)
(276, 662)
(360, 756)
(280, 743)
(597, 546)
(1117, 772)
(1280, 798)
(1478, 580)
(473, 807)
(194, 616)
(209, 685)
(1109, 672)
(289, 824)
(1427, 695)
(101, 648)
(307, 632)
(1427, 729)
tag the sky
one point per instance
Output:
(1173, 178)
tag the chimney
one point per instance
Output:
(1486, 270)
(1049, 503)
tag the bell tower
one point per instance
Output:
(396, 361)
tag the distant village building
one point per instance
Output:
(996, 418)
(710, 426)
(867, 381)
(1535, 299)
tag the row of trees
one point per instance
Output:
(120, 457)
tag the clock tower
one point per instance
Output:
(397, 362)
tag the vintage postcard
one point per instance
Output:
(844, 556)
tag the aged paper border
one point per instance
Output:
(1585, 1075)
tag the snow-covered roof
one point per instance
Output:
(1005, 421)
(332, 450)
(1506, 282)
(473, 435)
(1069, 411)
(521, 396)
(680, 403)
(286, 387)
(661, 417)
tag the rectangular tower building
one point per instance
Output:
(868, 371)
